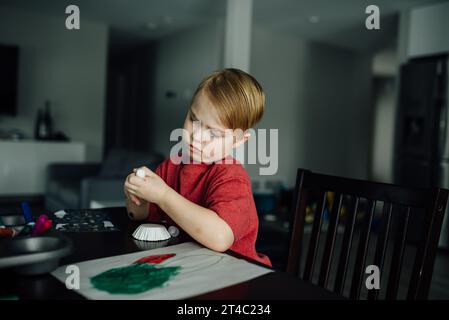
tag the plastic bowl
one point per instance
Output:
(33, 255)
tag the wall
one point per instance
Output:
(279, 70)
(384, 124)
(67, 67)
(423, 31)
(428, 30)
(318, 96)
(182, 61)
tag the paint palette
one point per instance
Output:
(33, 255)
(16, 222)
(84, 220)
(13, 220)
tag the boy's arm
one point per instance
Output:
(202, 224)
(137, 209)
(136, 212)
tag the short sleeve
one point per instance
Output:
(154, 212)
(232, 201)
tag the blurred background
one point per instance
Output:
(80, 108)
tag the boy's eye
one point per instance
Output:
(192, 118)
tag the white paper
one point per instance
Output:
(108, 224)
(60, 214)
(202, 270)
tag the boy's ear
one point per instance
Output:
(242, 140)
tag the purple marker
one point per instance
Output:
(39, 225)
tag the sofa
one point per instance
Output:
(76, 185)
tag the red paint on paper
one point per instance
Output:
(155, 259)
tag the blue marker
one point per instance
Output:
(27, 212)
(26, 230)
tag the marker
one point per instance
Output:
(42, 228)
(7, 232)
(48, 224)
(27, 212)
(39, 225)
(42, 225)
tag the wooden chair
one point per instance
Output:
(398, 203)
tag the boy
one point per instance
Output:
(210, 199)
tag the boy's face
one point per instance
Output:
(208, 140)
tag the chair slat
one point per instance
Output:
(345, 250)
(330, 241)
(398, 254)
(315, 237)
(425, 256)
(362, 250)
(381, 246)
(297, 224)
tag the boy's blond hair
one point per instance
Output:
(238, 97)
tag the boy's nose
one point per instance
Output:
(196, 136)
(199, 135)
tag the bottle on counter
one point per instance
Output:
(39, 127)
(43, 129)
(48, 120)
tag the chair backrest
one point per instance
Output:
(361, 201)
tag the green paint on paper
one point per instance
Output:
(133, 279)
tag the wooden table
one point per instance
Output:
(87, 246)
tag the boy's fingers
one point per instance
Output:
(136, 181)
(135, 200)
(129, 177)
(130, 187)
(130, 196)
(147, 171)
(127, 193)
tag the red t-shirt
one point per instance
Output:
(222, 188)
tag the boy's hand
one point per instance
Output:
(151, 188)
(131, 197)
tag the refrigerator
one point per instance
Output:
(421, 156)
